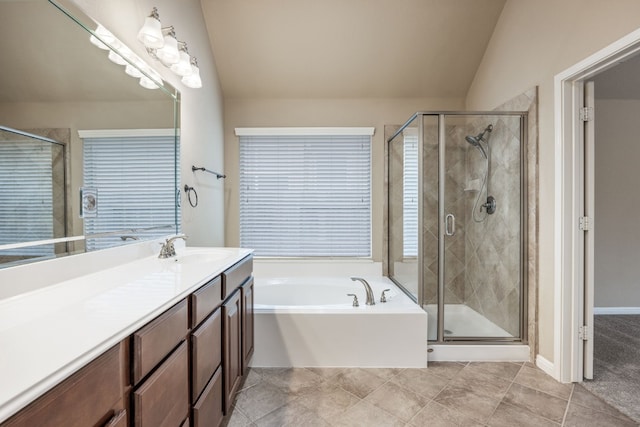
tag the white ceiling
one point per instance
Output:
(349, 48)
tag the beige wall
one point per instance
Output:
(617, 235)
(532, 42)
(201, 109)
(319, 112)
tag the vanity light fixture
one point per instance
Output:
(161, 44)
(122, 55)
(192, 79)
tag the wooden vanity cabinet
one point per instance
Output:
(182, 368)
(93, 396)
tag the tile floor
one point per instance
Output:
(445, 394)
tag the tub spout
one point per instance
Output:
(370, 298)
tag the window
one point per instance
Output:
(133, 174)
(306, 193)
(410, 196)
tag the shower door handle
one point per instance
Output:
(450, 225)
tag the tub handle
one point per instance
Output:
(383, 297)
(355, 300)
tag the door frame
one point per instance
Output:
(569, 191)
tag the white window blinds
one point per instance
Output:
(410, 197)
(136, 186)
(26, 199)
(306, 195)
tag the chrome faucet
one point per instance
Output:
(370, 299)
(167, 250)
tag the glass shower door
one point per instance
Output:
(481, 227)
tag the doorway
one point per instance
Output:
(574, 334)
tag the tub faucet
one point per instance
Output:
(167, 250)
(370, 299)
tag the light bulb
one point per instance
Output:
(182, 67)
(150, 34)
(193, 80)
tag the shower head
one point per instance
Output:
(475, 140)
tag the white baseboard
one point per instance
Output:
(616, 310)
(546, 366)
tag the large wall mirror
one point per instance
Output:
(88, 156)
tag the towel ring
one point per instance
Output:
(190, 190)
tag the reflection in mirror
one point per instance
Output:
(33, 201)
(55, 82)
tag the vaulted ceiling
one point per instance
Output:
(349, 48)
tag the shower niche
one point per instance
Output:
(457, 222)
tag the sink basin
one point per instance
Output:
(198, 257)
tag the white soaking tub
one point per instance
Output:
(310, 321)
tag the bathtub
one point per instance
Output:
(310, 322)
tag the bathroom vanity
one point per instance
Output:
(149, 342)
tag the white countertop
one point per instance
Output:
(46, 334)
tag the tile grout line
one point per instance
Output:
(566, 410)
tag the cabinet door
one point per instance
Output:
(247, 324)
(232, 339)
(206, 352)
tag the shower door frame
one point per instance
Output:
(524, 285)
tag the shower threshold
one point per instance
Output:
(463, 321)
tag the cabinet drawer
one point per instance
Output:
(118, 420)
(76, 402)
(206, 352)
(163, 398)
(236, 275)
(205, 300)
(207, 412)
(154, 341)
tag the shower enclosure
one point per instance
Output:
(457, 222)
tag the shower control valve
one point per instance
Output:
(383, 297)
(490, 206)
(355, 300)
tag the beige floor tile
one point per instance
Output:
(326, 373)
(364, 414)
(259, 400)
(436, 415)
(540, 403)
(481, 382)
(474, 405)
(294, 381)
(328, 401)
(537, 379)
(506, 370)
(359, 382)
(237, 419)
(445, 369)
(398, 401)
(292, 414)
(579, 416)
(420, 381)
(507, 415)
